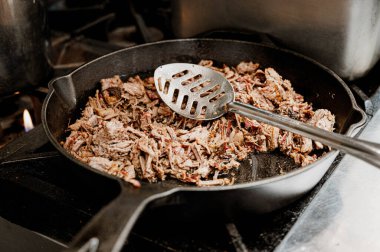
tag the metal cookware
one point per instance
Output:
(108, 230)
(24, 45)
(344, 35)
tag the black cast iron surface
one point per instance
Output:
(42, 191)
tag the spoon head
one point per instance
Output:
(193, 91)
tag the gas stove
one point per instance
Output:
(45, 202)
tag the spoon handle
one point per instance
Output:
(367, 151)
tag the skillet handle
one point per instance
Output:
(108, 230)
(364, 150)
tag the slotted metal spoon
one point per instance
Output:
(200, 93)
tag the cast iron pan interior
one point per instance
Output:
(318, 85)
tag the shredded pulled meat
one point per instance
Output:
(127, 131)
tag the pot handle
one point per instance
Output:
(108, 230)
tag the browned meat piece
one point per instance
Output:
(198, 132)
(303, 159)
(88, 112)
(127, 131)
(272, 135)
(106, 113)
(203, 170)
(274, 90)
(113, 127)
(164, 110)
(302, 144)
(76, 126)
(259, 100)
(142, 145)
(101, 163)
(286, 142)
(121, 147)
(206, 63)
(323, 119)
(214, 182)
(71, 140)
(296, 110)
(146, 120)
(247, 67)
(306, 145)
(111, 82)
(134, 89)
(228, 73)
(112, 95)
(259, 78)
(237, 137)
(153, 95)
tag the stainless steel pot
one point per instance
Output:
(344, 35)
(23, 45)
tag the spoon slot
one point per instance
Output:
(159, 84)
(175, 95)
(202, 85)
(191, 80)
(194, 108)
(184, 102)
(166, 87)
(209, 90)
(217, 96)
(180, 74)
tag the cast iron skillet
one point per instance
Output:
(110, 227)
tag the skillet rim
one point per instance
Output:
(190, 187)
